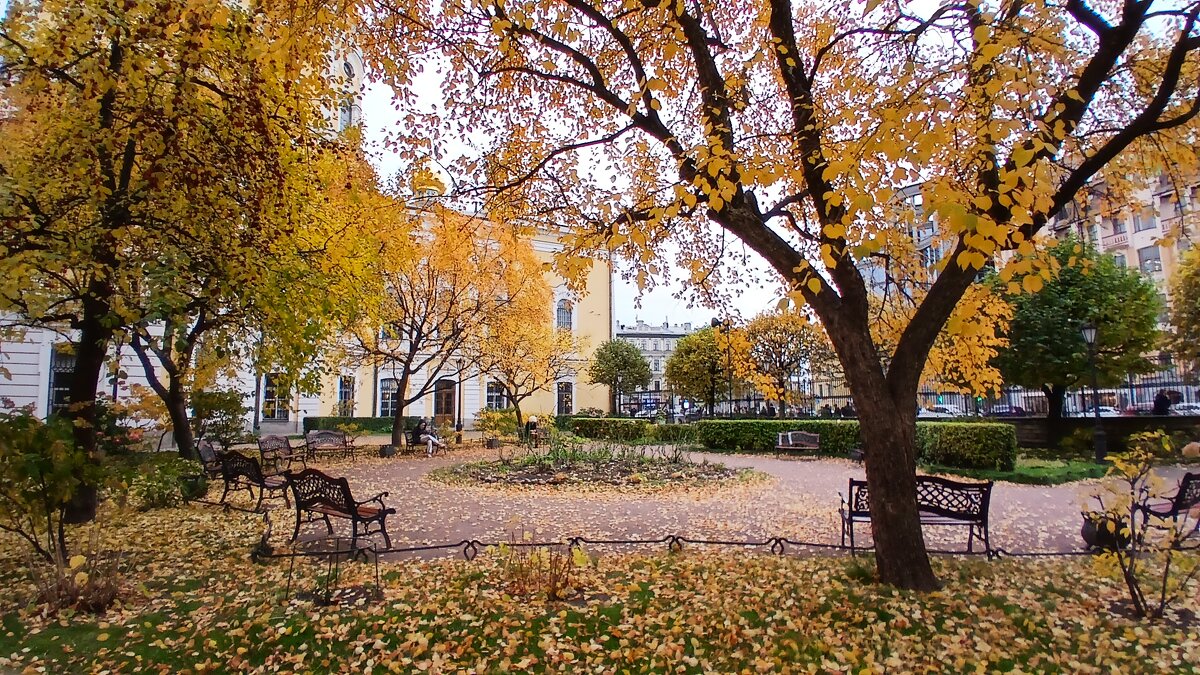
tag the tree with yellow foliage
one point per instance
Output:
(232, 306)
(436, 294)
(522, 349)
(776, 347)
(137, 137)
(796, 129)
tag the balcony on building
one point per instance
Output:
(1112, 241)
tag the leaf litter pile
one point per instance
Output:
(191, 601)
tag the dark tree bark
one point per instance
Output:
(90, 355)
(173, 394)
(402, 404)
(1056, 395)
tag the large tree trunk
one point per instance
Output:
(90, 354)
(1056, 395)
(173, 395)
(181, 423)
(401, 405)
(888, 427)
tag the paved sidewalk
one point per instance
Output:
(799, 502)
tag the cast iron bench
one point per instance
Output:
(322, 496)
(941, 501)
(245, 473)
(797, 441)
(328, 442)
(209, 459)
(1186, 498)
(278, 450)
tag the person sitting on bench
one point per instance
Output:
(423, 434)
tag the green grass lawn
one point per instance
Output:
(195, 603)
(1031, 471)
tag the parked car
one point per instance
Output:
(1105, 411)
(1007, 411)
(937, 412)
(1139, 409)
(950, 408)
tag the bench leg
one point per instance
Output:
(387, 541)
(296, 532)
(262, 492)
(328, 525)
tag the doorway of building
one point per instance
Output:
(443, 401)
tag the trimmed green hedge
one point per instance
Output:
(370, 425)
(677, 432)
(968, 445)
(610, 428)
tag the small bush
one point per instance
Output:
(219, 416)
(86, 583)
(152, 480)
(368, 425)
(496, 423)
(610, 428)
(40, 472)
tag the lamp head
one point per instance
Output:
(1088, 330)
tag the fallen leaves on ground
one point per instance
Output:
(193, 602)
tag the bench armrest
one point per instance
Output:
(377, 498)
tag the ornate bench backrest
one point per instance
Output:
(314, 488)
(860, 498)
(1188, 495)
(208, 453)
(953, 499)
(274, 447)
(941, 496)
(325, 438)
(804, 439)
(235, 465)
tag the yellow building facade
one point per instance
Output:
(370, 390)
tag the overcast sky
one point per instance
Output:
(655, 306)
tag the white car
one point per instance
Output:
(1185, 409)
(937, 412)
(1105, 411)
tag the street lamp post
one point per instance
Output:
(458, 426)
(1099, 440)
(719, 324)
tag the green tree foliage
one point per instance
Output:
(41, 470)
(696, 369)
(141, 140)
(1184, 338)
(1046, 349)
(619, 365)
(218, 416)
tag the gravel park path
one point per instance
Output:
(797, 500)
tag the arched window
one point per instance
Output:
(564, 319)
(388, 397)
